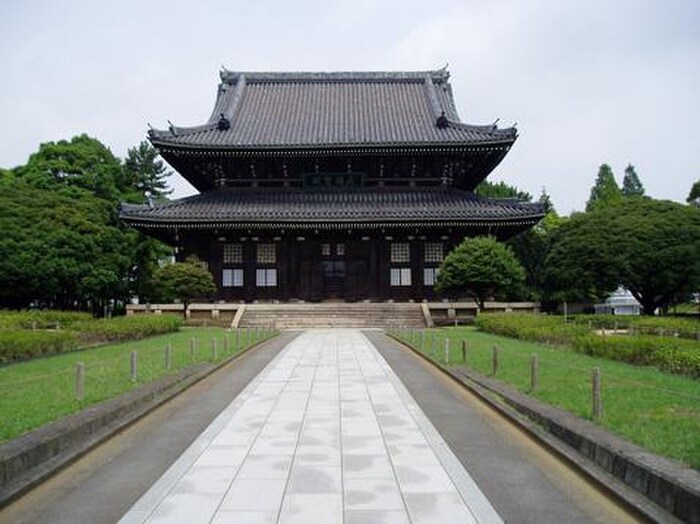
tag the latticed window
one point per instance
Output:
(340, 250)
(400, 252)
(400, 276)
(266, 254)
(325, 250)
(430, 275)
(433, 252)
(232, 278)
(266, 277)
(233, 254)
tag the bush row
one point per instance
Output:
(684, 327)
(24, 344)
(41, 319)
(674, 355)
(668, 354)
(124, 328)
(527, 326)
(20, 345)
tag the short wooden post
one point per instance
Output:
(79, 381)
(238, 338)
(464, 351)
(615, 326)
(422, 340)
(494, 360)
(133, 361)
(447, 351)
(34, 325)
(226, 343)
(534, 372)
(193, 348)
(590, 324)
(597, 400)
(168, 354)
(413, 334)
(214, 351)
(247, 336)
(432, 343)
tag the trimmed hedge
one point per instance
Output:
(671, 354)
(125, 328)
(22, 344)
(41, 319)
(532, 327)
(684, 327)
(668, 354)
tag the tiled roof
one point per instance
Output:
(400, 206)
(276, 110)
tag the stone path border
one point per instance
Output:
(656, 487)
(30, 459)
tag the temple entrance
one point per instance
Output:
(334, 278)
(333, 263)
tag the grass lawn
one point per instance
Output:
(36, 392)
(658, 411)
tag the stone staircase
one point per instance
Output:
(327, 315)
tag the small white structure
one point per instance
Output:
(620, 302)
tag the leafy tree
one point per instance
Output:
(184, 281)
(62, 244)
(81, 163)
(694, 195)
(631, 185)
(532, 247)
(651, 247)
(501, 190)
(479, 267)
(146, 172)
(605, 191)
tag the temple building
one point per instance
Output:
(330, 186)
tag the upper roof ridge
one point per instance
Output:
(231, 77)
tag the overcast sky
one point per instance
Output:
(587, 81)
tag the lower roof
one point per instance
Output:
(294, 208)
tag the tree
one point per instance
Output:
(62, 244)
(631, 185)
(69, 166)
(531, 247)
(184, 281)
(651, 247)
(605, 191)
(694, 195)
(146, 172)
(479, 267)
(501, 190)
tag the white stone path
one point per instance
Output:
(325, 433)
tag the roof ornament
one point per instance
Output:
(495, 124)
(172, 128)
(151, 131)
(442, 121)
(149, 198)
(224, 123)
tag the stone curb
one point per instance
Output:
(658, 488)
(28, 460)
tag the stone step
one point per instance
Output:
(332, 315)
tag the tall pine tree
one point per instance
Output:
(631, 185)
(605, 191)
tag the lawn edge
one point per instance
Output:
(30, 459)
(656, 487)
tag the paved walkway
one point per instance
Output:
(326, 433)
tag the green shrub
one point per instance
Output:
(124, 328)
(671, 354)
(684, 327)
(41, 319)
(667, 353)
(20, 345)
(532, 327)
